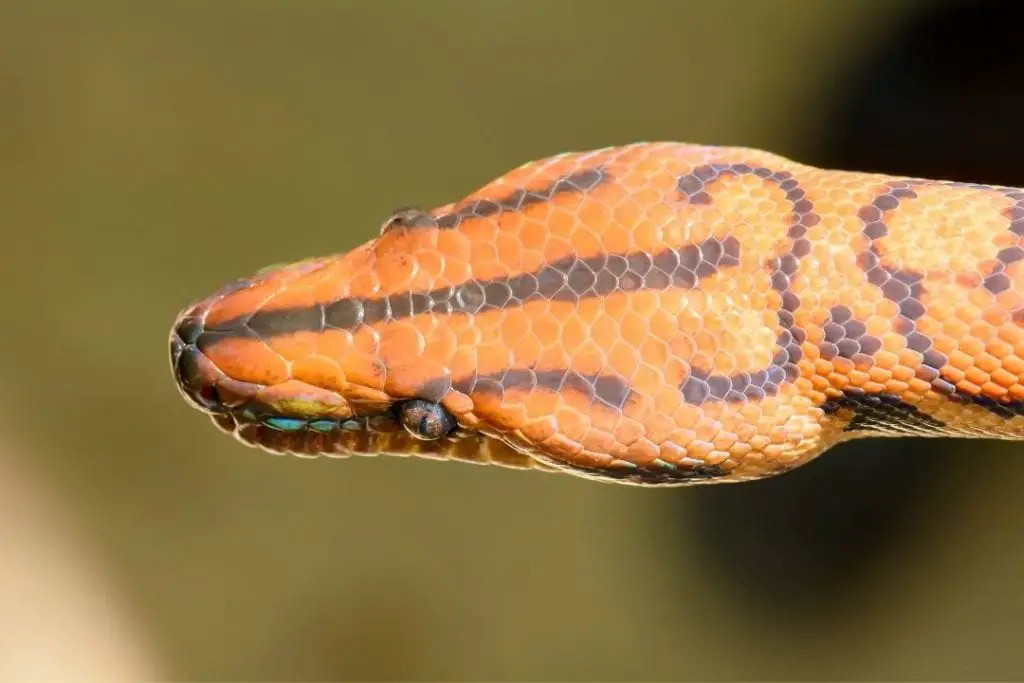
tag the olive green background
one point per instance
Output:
(154, 151)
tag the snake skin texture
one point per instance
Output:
(654, 314)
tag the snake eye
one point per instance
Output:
(426, 420)
(407, 217)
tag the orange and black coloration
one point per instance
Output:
(658, 313)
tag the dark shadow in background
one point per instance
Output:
(942, 97)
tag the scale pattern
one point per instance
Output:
(657, 313)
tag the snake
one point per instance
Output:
(649, 314)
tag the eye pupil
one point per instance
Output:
(427, 427)
(426, 420)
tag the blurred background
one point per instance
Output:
(152, 152)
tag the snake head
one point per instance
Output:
(592, 313)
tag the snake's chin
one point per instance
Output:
(374, 435)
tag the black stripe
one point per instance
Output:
(888, 413)
(569, 279)
(611, 390)
(1003, 409)
(668, 474)
(883, 413)
(578, 182)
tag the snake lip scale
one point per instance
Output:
(655, 314)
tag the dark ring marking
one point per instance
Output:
(569, 279)
(702, 386)
(905, 287)
(574, 183)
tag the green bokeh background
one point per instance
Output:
(154, 151)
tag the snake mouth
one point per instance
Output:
(371, 435)
(377, 434)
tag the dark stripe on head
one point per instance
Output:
(574, 183)
(569, 279)
(702, 385)
(610, 390)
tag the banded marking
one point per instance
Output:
(701, 386)
(579, 182)
(905, 287)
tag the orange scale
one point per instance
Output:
(976, 375)
(1014, 364)
(589, 360)
(319, 371)
(1003, 378)
(248, 360)
(987, 362)
(994, 390)
(400, 341)
(238, 304)
(642, 452)
(571, 423)
(999, 315)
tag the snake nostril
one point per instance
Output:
(188, 328)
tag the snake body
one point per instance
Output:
(656, 314)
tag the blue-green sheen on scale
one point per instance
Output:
(294, 424)
(323, 425)
(286, 424)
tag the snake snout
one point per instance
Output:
(194, 374)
